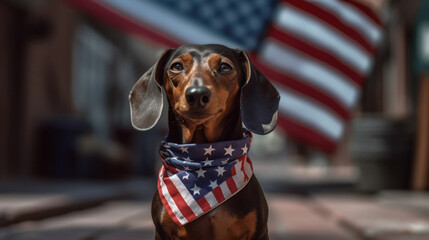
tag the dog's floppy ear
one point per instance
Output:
(259, 101)
(146, 96)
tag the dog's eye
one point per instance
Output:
(224, 67)
(176, 67)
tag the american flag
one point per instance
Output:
(195, 178)
(318, 53)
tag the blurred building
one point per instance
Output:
(65, 78)
(64, 93)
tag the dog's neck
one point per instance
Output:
(227, 128)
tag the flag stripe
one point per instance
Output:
(185, 210)
(170, 211)
(217, 192)
(317, 53)
(310, 71)
(333, 21)
(169, 204)
(250, 163)
(121, 21)
(186, 195)
(211, 199)
(204, 204)
(233, 171)
(231, 185)
(149, 12)
(311, 113)
(164, 201)
(172, 169)
(365, 10)
(225, 189)
(323, 36)
(242, 173)
(301, 87)
(248, 167)
(354, 17)
(303, 133)
(239, 177)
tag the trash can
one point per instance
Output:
(382, 150)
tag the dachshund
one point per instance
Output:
(215, 94)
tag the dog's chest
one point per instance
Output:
(218, 224)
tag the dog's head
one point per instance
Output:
(203, 83)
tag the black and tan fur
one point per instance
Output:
(212, 92)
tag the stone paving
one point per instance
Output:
(118, 211)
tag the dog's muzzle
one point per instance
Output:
(198, 97)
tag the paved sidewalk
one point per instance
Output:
(31, 200)
(121, 211)
(387, 216)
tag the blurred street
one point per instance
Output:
(318, 216)
(327, 208)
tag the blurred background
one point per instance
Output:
(354, 114)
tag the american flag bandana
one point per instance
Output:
(195, 178)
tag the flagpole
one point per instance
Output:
(421, 166)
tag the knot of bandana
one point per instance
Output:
(196, 178)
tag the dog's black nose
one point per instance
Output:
(198, 96)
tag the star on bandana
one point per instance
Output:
(187, 168)
(208, 163)
(220, 170)
(225, 161)
(229, 150)
(196, 189)
(184, 149)
(186, 176)
(200, 172)
(209, 150)
(245, 149)
(213, 184)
